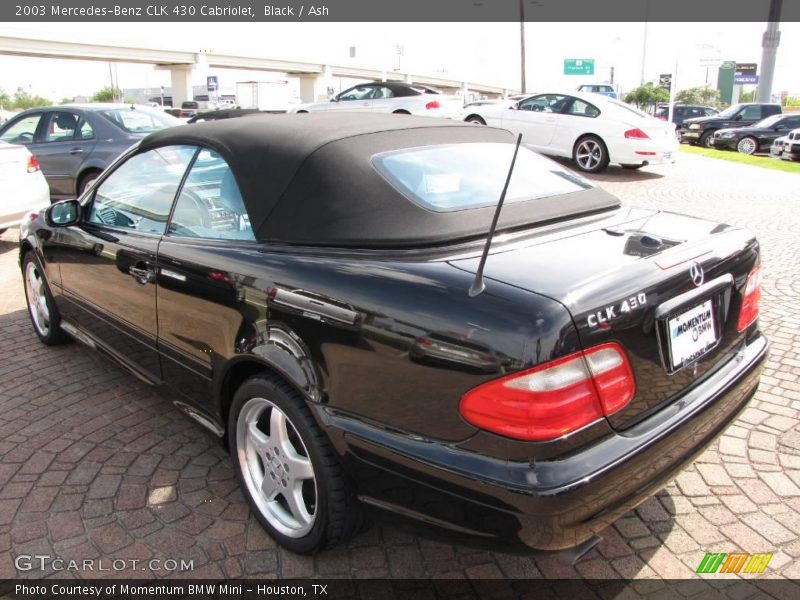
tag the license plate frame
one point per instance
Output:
(691, 334)
(718, 294)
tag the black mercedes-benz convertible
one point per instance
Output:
(312, 288)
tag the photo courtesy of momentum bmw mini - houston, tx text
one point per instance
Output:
(296, 296)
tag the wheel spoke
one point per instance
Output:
(297, 505)
(258, 438)
(299, 467)
(278, 434)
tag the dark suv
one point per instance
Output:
(682, 112)
(701, 130)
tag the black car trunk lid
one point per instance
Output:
(630, 282)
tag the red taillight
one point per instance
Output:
(433, 104)
(553, 399)
(751, 296)
(636, 134)
(33, 164)
(272, 293)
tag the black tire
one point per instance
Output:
(590, 154)
(632, 167)
(476, 119)
(747, 145)
(705, 139)
(86, 180)
(401, 112)
(2, 231)
(337, 514)
(52, 334)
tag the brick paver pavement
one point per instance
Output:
(95, 464)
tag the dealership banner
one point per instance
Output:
(391, 10)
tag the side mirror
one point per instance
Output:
(514, 106)
(62, 214)
(738, 117)
(335, 99)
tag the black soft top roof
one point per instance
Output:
(309, 179)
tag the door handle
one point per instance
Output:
(141, 274)
(76, 151)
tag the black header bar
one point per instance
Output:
(393, 10)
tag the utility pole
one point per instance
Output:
(644, 41)
(523, 88)
(769, 51)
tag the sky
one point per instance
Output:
(487, 53)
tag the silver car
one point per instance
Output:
(75, 142)
(389, 97)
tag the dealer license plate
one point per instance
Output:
(691, 334)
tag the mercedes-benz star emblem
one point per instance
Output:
(696, 273)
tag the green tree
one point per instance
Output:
(5, 100)
(699, 95)
(23, 100)
(647, 95)
(107, 94)
(747, 96)
(66, 100)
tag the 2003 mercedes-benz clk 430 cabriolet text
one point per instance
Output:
(313, 289)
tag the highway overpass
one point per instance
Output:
(314, 77)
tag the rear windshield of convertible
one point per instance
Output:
(453, 177)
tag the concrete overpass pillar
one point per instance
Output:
(181, 84)
(308, 88)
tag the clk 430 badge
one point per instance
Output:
(611, 312)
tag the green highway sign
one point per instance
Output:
(578, 66)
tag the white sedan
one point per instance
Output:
(390, 97)
(23, 188)
(591, 129)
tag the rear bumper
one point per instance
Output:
(32, 196)
(551, 504)
(649, 152)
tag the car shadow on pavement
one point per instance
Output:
(614, 173)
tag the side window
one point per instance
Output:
(210, 204)
(791, 123)
(60, 126)
(544, 103)
(582, 109)
(361, 92)
(751, 113)
(85, 131)
(383, 92)
(710, 112)
(22, 131)
(138, 195)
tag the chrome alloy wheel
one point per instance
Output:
(276, 467)
(746, 145)
(588, 154)
(37, 298)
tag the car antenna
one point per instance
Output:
(477, 284)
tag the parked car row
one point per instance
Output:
(701, 130)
